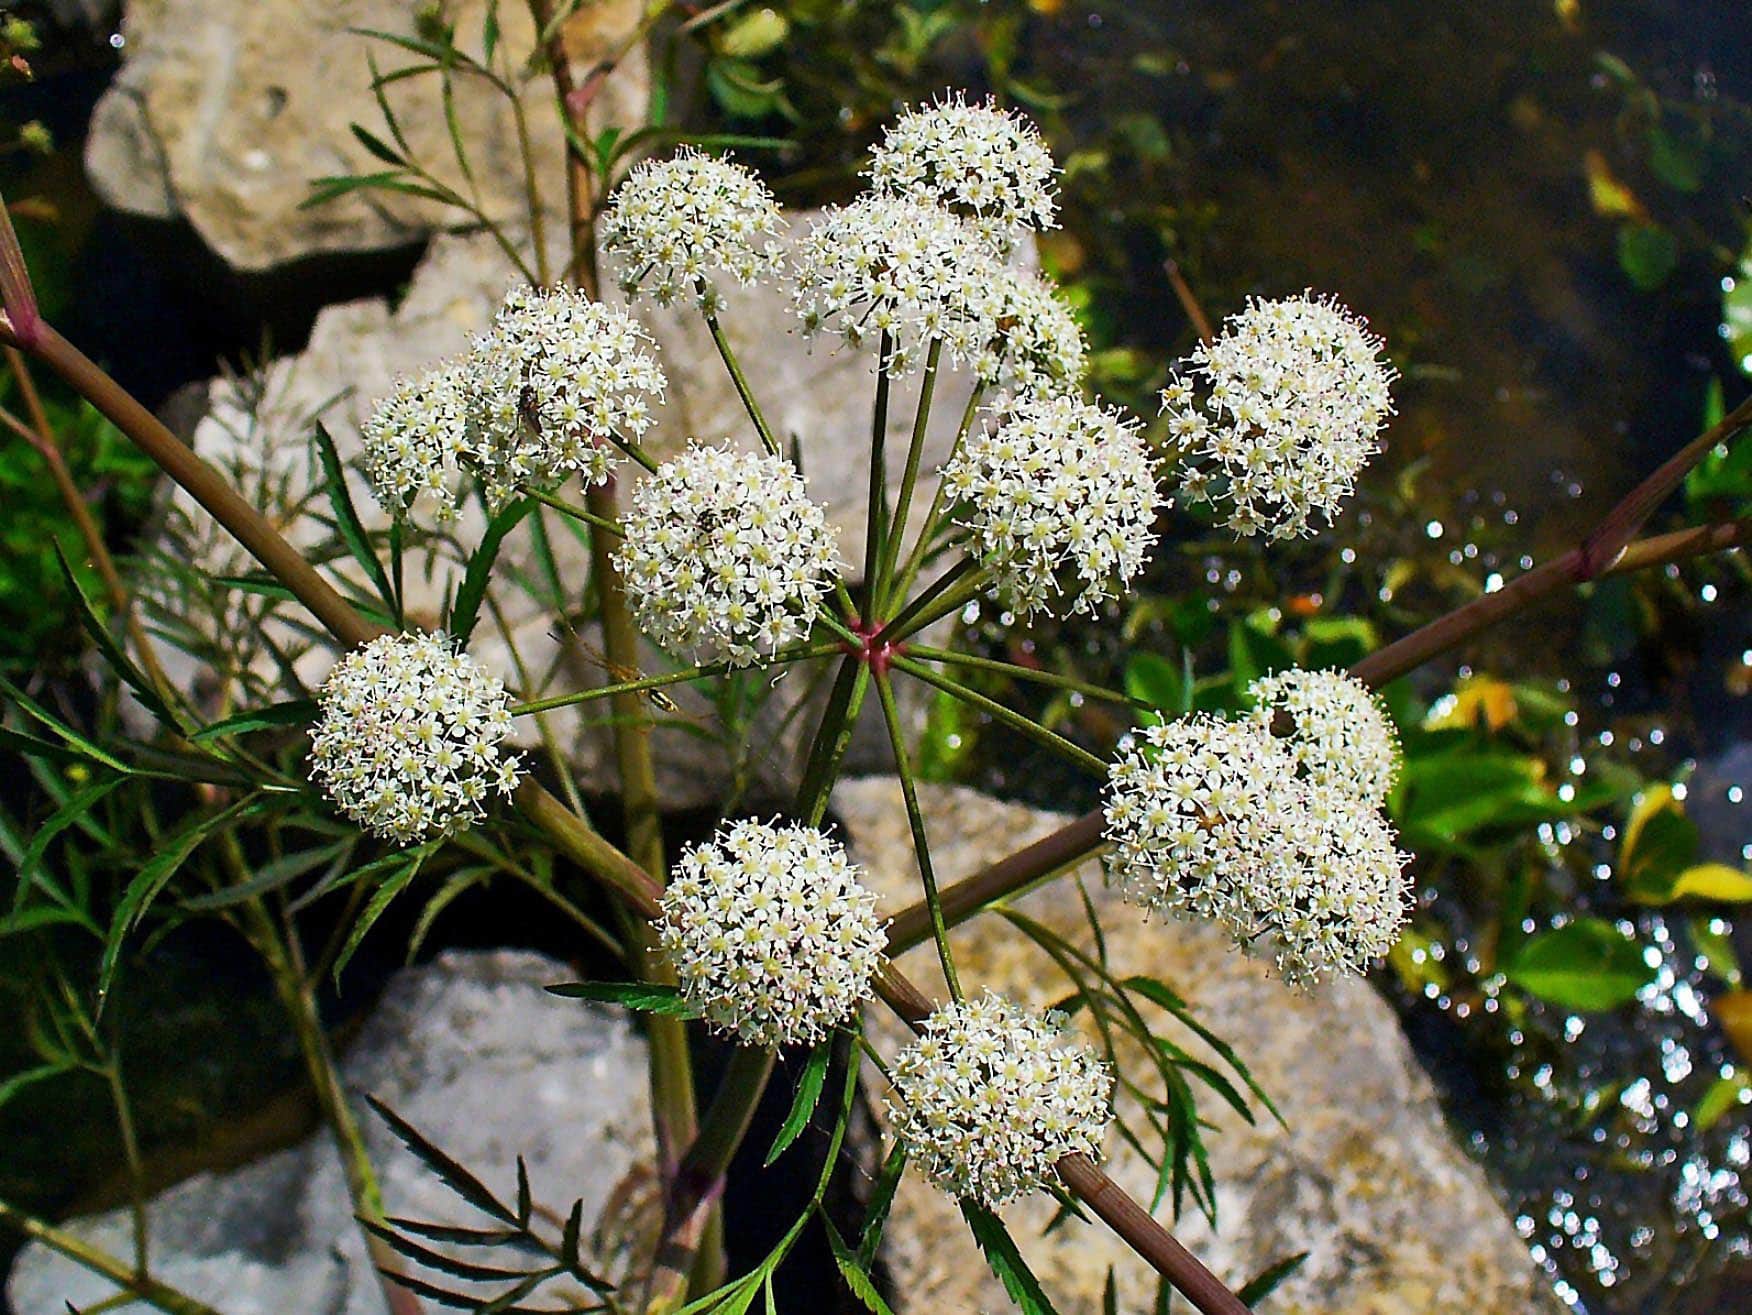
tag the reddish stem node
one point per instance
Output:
(874, 652)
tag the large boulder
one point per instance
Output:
(1364, 1175)
(470, 1050)
(257, 427)
(223, 113)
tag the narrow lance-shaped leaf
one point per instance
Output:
(480, 568)
(347, 522)
(642, 996)
(803, 1104)
(458, 1179)
(1005, 1260)
(113, 653)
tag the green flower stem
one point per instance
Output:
(951, 591)
(1018, 672)
(915, 452)
(844, 701)
(915, 561)
(916, 819)
(699, 1179)
(160, 1296)
(578, 513)
(741, 381)
(876, 518)
(1008, 716)
(668, 678)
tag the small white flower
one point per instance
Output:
(992, 1095)
(413, 443)
(557, 380)
(684, 225)
(1296, 394)
(988, 166)
(407, 744)
(1058, 483)
(901, 266)
(1039, 347)
(1212, 819)
(725, 556)
(771, 934)
(1338, 731)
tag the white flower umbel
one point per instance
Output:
(1039, 347)
(687, 225)
(1212, 819)
(725, 556)
(1337, 729)
(902, 266)
(1294, 396)
(1057, 487)
(770, 933)
(413, 443)
(408, 741)
(991, 1095)
(557, 380)
(987, 165)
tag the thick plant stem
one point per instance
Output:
(699, 1179)
(203, 483)
(672, 1087)
(160, 1296)
(1148, 1238)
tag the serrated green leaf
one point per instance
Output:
(1005, 1259)
(881, 1201)
(63, 817)
(393, 885)
(347, 522)
(809, 1086)
(466, 610)
(151, 880)
(458, 1179)
(645, 997)
(294, 712)
(852, 1272)
(1263, 1284)
(271, 876)
(118, 659)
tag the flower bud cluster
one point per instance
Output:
(770, 933)
(542, 395)
(900, 266)
(977, 161)
(991, 1095)
(1295, 394)
(725, 556)
(1338, 732)
(414, 440)
(1058, 486)
(407, 743)
(682, 226)
(1265, 835)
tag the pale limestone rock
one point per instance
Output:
(224, 112)
(470, 1050)
(1366, 1177)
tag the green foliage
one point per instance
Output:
(39, 614)
(1587, 964)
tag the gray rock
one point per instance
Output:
(223, 113)
(472, 1052)
(1365, 1177)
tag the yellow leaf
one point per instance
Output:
(1477, 698)
(1715, 881)
(1655, 799)
(1569, 12)
(1611, 198)
(1734, 1012)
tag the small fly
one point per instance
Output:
(623, 673)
